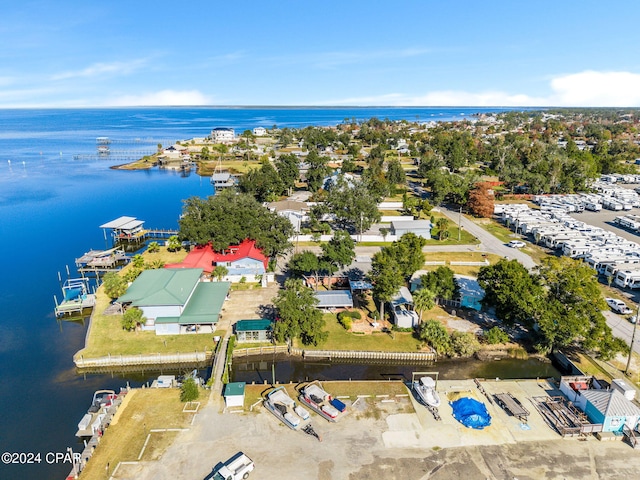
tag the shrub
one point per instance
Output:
(189, 390)
(131, 318)
(344, 319)
(496, 335)
(436, 335)
(464, 344)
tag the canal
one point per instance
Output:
(293, 369)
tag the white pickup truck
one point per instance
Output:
(235, 468)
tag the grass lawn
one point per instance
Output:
(341, 339)
(470, 270)
(108, 338)
(465, 237)
(146, 409)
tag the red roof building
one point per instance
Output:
(243, 259)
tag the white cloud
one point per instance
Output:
(584, 89)
(597, 89)
(161, 98)
(97, 69)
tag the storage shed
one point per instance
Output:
(253, 330)
(234, 394)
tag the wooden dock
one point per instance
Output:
(409, 357)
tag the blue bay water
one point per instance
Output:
(51, 205)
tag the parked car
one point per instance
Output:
(618, 306)
(516, 244)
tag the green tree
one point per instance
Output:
(407, 252)
(189, 391)
(395, 173)
(436, 335)
(516, 294)
(386, 277)
(114, 285)
(264, 183)
(574, 305)
(228, 218)
(464, 344)
(442, 226)
(219, 272)
(131, 318)
(441, 282)
(287, 167)
(298, 315)
(317, 170)
(423, 299)
(338, 252)
(305, 262)
(352, 204)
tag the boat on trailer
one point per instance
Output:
(285, 408)
(426, 390)
(321, 402)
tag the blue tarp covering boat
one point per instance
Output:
(471, 413)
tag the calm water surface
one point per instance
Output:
(50, 208)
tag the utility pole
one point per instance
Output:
(633, 336)
(459, 224)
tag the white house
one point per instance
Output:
(223, 135)
(259, 131)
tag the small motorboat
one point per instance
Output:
(426, 390)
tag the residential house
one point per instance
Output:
(422, 228)
(259, 131)
(241, 261)
(223, 135)
(175, 301)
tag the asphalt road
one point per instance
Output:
(623, 328)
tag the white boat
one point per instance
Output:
(426, 390)
(321, 402)
(283, 407)
(92, 421)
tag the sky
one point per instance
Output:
(70, 53)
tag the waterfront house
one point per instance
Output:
(607, 407)
(176, 301)
(245, 260)
(253, 330)
(223, 135)
(259, 131)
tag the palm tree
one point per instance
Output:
(219, 272)
(423, 299)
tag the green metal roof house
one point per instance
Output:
(176, 301)
(253, 330)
